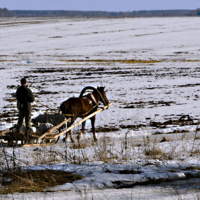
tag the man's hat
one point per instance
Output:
(23, 81)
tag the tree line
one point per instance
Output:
(5, 13)
(99, 14)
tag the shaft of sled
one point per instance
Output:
(81, 121)
(53, 129)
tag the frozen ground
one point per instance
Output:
(148, 144)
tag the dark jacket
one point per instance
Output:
(25, 96)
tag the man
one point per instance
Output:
(24, 99)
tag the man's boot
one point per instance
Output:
(19, 130)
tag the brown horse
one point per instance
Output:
(82, 107)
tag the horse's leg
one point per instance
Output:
(93, 128)
(69, 132)
(72, 139)
(83, 129)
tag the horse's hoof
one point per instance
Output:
(73, 141)
(95, 139)
(64, 139)
(79, 136)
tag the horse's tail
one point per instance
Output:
(61, 109)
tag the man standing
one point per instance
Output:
(24, 99)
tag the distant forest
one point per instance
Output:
(98, 14)
(5, 13)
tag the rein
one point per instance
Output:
(44, 105)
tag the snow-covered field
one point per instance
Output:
(148, 140)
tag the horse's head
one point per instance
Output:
(103, 97)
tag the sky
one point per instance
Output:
(99, 5)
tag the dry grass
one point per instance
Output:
(104, 150)
(34, 181)
(115, 61)
(131, 61)
(8, 60)
(80, 145)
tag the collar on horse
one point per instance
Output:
(93, 99)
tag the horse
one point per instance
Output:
(83, 106)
